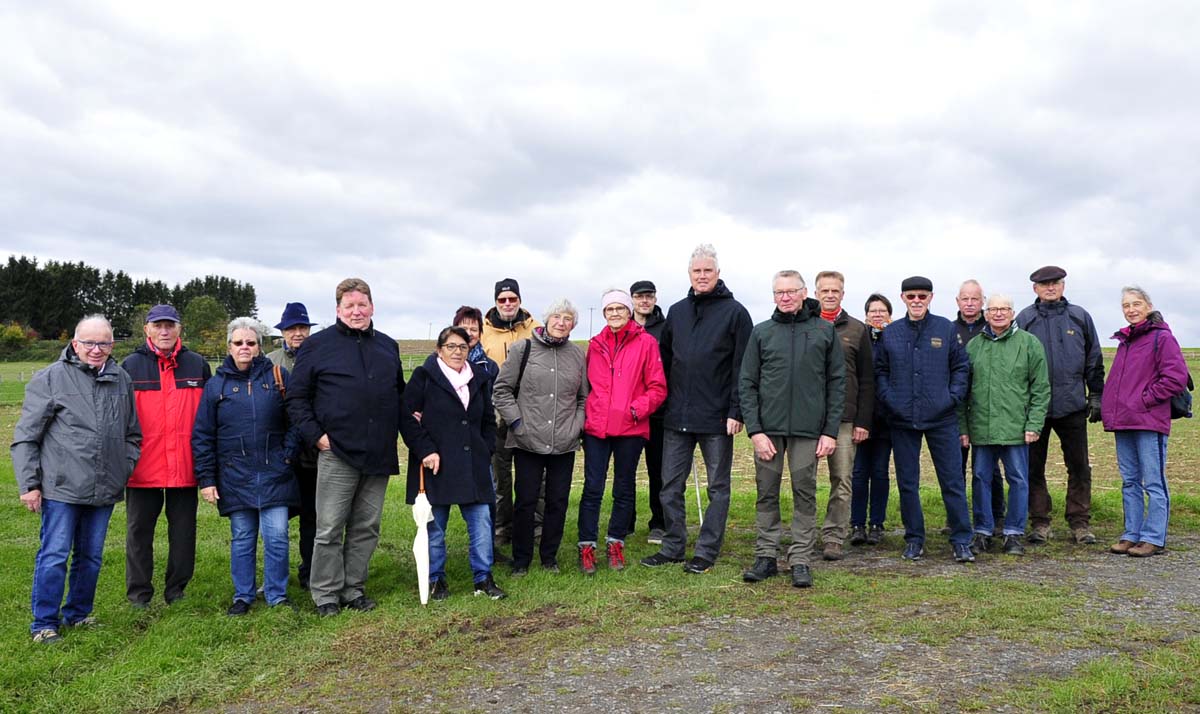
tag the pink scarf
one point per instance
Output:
(459, 381)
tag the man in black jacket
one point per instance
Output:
(702, 348)
(344, 397)
(649, 315)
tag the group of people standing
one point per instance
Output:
(494, 416)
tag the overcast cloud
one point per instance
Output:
(433, 149)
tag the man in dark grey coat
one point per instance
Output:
(649, 315)
(73, 449)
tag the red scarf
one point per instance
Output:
(166, 360)
(830, 316)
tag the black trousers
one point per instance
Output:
(307, 477)
(1072, 434)
(142, 508)
(533, 473)
(654, 456)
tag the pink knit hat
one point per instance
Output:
(618, 297)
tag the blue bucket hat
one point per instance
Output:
(294, 313)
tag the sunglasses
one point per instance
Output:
(916, 296)
(506, 300)
(246, 343)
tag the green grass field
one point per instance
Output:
(191, 656)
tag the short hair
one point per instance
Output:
(969, 281)
(1137, 290)
(561, 305)
(789, 274)
(1001, 298)
(702, 251)
(830, 274)
(246, 323)
(452, 330)
(352, 285)
(877, 297)
(95, 317)
(466, 312)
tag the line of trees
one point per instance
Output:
(49, 299)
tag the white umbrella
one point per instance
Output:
(422, 514)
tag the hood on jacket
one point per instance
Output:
(626, 333)
(71, 357)
(258, 365)
(1129, 333)
(720, 292)
(808, 309)
(493, 318)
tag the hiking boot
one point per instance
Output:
(1121, 547)
(1083, 535)
(963, 554)
(1039, 534)
(858, 535)
(832, 551)
(998, 531)
(488, 587)
(329, 609)
(658, 559)
(1145, 550)
(616, 555)
(550, 566)
(1012, 545)
(801, 576)
(762, 569)
(439, 590)
(655, 537)
(913, 551)
(874, 535)
(981, 543)
(587, 559)
(84, 623)
(697, 566)
(362, 603)
(518, 571)
(239, 608)
(48, 636)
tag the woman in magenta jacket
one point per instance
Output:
(1148, 370)
(624, 369)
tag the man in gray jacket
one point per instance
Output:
(73, 450)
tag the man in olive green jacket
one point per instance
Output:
(792, 390)
(1003, 414)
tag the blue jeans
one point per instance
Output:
(678, 450)
(946, 452)
(244, 527)
(625, 451)
(78, 532)
(1142, 460)
(869, 483)
(479, 527)
(1016, 472)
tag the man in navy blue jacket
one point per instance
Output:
(921, 374)
(344, 397)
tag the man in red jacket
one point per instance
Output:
(168, 381)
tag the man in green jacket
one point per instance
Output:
(1002, 416)
(793, 390)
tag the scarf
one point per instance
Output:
(551, 341)
(166, 360)
(830, 316)
(458, 380)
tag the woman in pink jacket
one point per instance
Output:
(625, 372)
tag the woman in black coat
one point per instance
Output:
(450, 428)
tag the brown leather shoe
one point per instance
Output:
(833, 551)
(1121, 547)
(1145, 550)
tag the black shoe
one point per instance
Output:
(697, 566)
(858, 535)
(550, 566)
(981, 543)
(329, 609)
(519, 571)
(963, 554)
(801, 576)
(653, 561)
(139, 605)
(762, 569)
(488, 587)
(1012, 545)
(240, 607)
(362, 603)
(913, 551)
(874, 535)
(439, 590)
(499, 557)
(284, 603)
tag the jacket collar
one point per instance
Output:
(806, 312)
(345, 329)
(258, 365)
(720, 292)
(988, 333)
(493, 318)
(435, 375)
(72, 358)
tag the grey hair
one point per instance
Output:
(559, 306)
(970, 281)
(95, 317)
(702, 251)
(789, 274)
(999, 298)
(1137, 290)
(246, 323)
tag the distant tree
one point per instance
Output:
(147, 292)
(136, 322)
(21, 296)
(13, 337)
(204, 321)
(116, 299)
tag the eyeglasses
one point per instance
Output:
(506, 300)
(246, 343)
(615, 310)
(998, 309)
(916, 296)
(454, 347)
(89, 345)
(786, 293)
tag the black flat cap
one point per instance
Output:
(916, 282)
(642, 286)
(1047, 274)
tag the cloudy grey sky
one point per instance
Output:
(435, 148)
